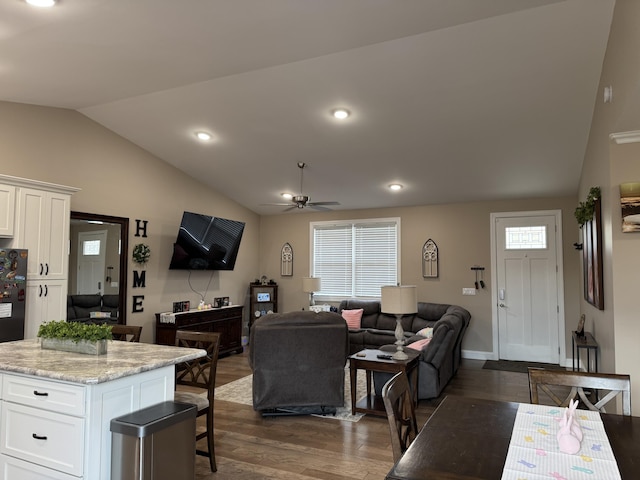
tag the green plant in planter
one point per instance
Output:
(75, 331)
(585, 210)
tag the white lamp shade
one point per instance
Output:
(399, 300)
(311, 284)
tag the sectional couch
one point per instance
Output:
(80, 308)
(440, 358)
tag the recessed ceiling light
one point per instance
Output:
(341, 113)
(204, 136)
(288, 196)
(395, 186)
(41, 3)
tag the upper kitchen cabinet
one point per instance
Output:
(7, 210)
(41, 225)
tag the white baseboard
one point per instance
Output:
(478, 355)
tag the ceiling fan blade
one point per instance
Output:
(276, 204)
(293, 207)
(319, 208)
(322, 203)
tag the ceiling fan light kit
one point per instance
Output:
(301, 201)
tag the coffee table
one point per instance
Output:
(368, 361)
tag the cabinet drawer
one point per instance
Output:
(14, 469)
(44, 394)
(49, 439)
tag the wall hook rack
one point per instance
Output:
(479, 272)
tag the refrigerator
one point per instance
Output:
(13, 293)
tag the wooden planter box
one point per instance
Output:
(98, 347)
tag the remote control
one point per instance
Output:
(384, 357)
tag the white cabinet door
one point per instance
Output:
(29, 232)
(7, 210)
(15, 469)
(43, 229)
(49, 439)
(46, 300)
(57, 221)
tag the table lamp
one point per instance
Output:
(399, 300)
(310, 285)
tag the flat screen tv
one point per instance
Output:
(206, 243)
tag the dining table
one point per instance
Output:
(468, 438)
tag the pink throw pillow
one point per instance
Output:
(353, 318)
(420, 344)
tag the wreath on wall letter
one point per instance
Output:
(141, 253)
(585, 210)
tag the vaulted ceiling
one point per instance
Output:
(457, 100)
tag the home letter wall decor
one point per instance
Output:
(141, 254)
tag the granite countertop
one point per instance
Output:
(122, 359)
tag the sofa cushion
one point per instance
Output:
(353, 318)
(420, 344)
(425, 332)
(85, 304)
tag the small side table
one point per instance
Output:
(368, 361)
(583, 342)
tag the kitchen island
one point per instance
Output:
(56, 407)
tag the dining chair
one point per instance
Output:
(398, 403)
(614, 384)
(200, 373)
(125, 333)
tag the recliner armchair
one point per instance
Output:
(298, 361)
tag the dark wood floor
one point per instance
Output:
(251, 447)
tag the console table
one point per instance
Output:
(226, 320)
(587, 342)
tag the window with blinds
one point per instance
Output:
(355, 258)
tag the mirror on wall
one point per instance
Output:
(98, 260)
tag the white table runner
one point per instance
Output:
(534, 454)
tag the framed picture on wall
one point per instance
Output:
(592, 258)
(630, 206)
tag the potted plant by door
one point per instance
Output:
(75, 337)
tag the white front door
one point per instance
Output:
(528, 288)
(91, 262)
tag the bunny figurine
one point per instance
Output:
(569, 435)
(575, 426)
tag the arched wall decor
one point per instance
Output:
(286, 260)
(429, 259)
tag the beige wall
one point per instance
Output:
(120, 179)
(617, 328)
(462, 233)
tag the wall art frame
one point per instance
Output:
(592, 258)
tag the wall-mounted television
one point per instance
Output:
(206, 243)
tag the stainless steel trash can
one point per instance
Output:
(155, 443)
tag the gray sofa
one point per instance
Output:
(298, 360)
(439, 360)
(79, 308)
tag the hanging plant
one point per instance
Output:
(141, 253)
(585, 210)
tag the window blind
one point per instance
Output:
(354, 259)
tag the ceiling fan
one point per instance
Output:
(302, 201)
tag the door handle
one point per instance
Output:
(502, 305)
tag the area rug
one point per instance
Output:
(519, 367)
(240, 391)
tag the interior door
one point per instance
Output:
(527, 288)
(91, 262)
